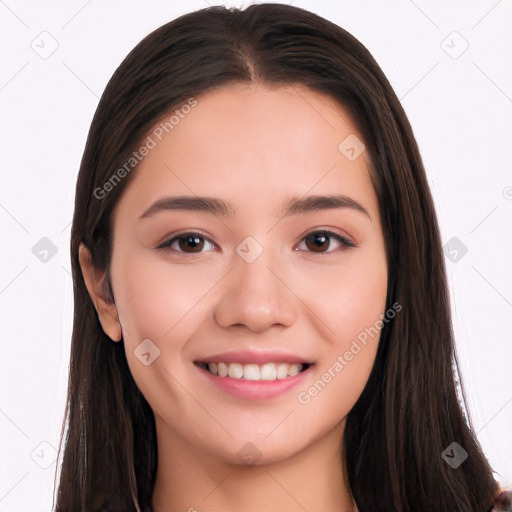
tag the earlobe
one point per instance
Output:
(97, 286)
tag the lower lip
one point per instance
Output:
(253, 389)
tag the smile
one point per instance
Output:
(267, 371)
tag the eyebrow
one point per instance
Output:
(219, 207)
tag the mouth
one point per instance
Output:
(255, 372)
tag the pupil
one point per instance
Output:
(191, 242)
(320, 241)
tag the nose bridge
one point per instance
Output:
(253, 296)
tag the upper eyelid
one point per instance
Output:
(329, 231)
(343, 239)
(166, 242)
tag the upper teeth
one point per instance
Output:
(269, 371)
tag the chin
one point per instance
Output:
(258, 451)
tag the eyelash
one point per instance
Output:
(345, 242)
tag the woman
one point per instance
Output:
(261, 310)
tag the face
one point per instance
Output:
(251, 318)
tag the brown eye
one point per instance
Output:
(193, 242)
(317, 242)
(321, 241)
(189, 243)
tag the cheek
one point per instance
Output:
(347, 298)
(343, 371)
(350, 303)
(157, 301)
(160, 302)
(154, 296)
(337, 385)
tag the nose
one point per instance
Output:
(256, 296)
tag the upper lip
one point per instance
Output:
(255, 357)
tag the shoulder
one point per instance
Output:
(503, 502)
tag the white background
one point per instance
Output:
(461, 112)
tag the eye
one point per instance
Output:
(194, 243)
(187, 243)
(320, 241)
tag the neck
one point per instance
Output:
(190, 480)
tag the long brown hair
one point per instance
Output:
(409, 412)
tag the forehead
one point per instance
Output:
(250, 143)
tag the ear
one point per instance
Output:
(95, 281)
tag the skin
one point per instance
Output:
(254, 147)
